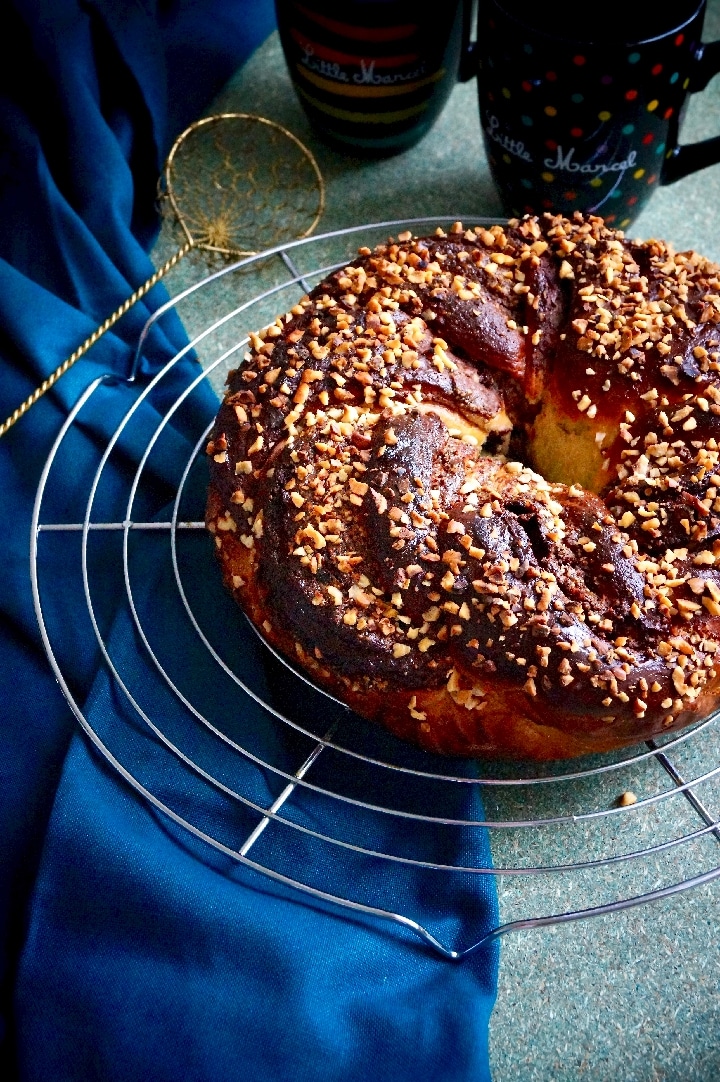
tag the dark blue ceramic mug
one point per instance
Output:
(374, 75)
(581, 109)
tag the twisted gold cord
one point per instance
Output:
(97, 334)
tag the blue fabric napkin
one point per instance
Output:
(130, 949)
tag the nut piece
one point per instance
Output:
(627, 799)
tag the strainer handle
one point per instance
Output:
(94, 337)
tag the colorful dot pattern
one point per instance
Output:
(580, 128)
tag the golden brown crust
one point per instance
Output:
(377, 512)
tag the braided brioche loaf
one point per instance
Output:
(472, 485)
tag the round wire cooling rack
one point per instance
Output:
(249, 764)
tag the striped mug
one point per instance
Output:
(373, 75)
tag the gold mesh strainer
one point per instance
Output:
(236, 184)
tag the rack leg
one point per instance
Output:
(696, 803)
(287, 791)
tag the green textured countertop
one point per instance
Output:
(633, 995)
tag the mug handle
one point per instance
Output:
(468, 49)
(692, 156)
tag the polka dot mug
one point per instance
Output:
(584, 113)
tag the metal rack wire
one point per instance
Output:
(556, 824)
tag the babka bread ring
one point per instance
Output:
(471, 484)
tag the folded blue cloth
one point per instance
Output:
(130, 949)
